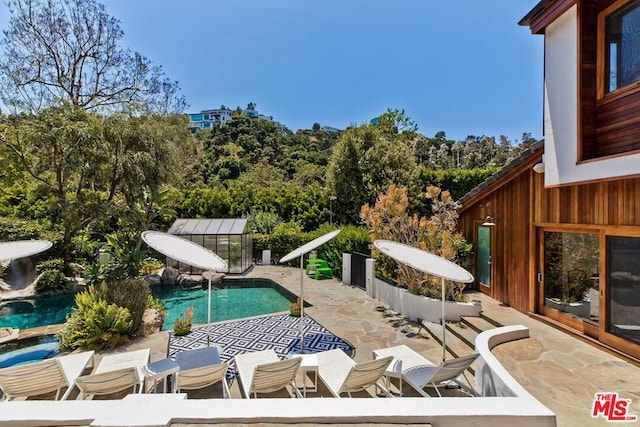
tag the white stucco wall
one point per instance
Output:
(419, 307)
(561, 112)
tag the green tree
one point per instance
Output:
(66, 51)
(365, 160)
(96, 168)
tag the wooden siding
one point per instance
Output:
(519, 202)
(609, 203)
(587, 78)
(618, 123)
(509, 202)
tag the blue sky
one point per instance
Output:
(461, 66)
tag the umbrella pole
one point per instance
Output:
(302, 304)
(209, 300)
(444, 328)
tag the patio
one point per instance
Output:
(557, 369)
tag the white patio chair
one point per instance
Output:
(263, 372)
(442, 375)
(404, 358)
(43, 377)
(108, 383)
(341, 374)
(203, 369)
(115, 372)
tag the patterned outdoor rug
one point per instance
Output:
(280, 333)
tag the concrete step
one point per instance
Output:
(455, 346)
(464, 333)
(479, 324)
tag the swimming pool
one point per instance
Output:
(28, 350)
(230, 299)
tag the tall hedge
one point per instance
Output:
(284, 240)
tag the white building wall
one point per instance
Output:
(561, 112)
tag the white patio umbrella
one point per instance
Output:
(300, 252)
(187, 252)
(22, 248)
(427, 263)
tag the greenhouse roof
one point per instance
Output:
(209, 226)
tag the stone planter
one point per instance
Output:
(582, 309)
(181, 331)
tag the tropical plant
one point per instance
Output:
(150, 266)
(95, 324)
(97, 273)
(127, 257)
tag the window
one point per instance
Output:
(622, 46)
(571, 273)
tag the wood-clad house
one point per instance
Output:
(563, 240)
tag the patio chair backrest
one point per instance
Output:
(453, 368)
(32, 379)
(365, 374)
(274, 376)
(204, 376)
(109, 382)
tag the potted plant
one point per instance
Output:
(294, 308)
(182, 325)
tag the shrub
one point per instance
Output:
(131, 294)
(150, 266)
(95, 324)
(97, 273)
(389, 219)
(51, 281)
(52, 264)
(350, 239)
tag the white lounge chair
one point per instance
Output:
(200, 368)
(403, 358)
(263, 372)
(341, 374)
(43, 377)
(108, 383)
(441, 375)
(115, 372)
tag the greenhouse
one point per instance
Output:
(228, 238)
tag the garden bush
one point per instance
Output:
(150, 266)
(52, 264)
(95, 324)
(129, 293)
(51, 281)
(288, 238)
(351, 239)
(97, 273)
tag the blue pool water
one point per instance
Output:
(28, 350)
(231, 299)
